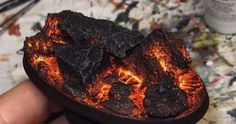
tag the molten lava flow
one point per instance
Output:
(138, 94)
(191, 83)
(102, 87)
(103, 94)
(51, 28)
(49, 67)
(128, 77)
(137, 97)
(112, 69)
(40, 51)
(186, 78)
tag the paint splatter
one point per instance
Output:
(14, 30)
(4, 57)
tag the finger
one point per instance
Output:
(24, 104)
(60, 120)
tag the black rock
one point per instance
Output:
(157, 34)
(66, 13)
(120, 90)
(122, 106)
(111, 78)
(80, 62)
(73, 86)
(80, 27)
(119, 101)
(164, 100)
(118, 44)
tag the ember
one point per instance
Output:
(107, 67)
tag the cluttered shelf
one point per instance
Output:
(213, 54)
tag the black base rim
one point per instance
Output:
(75, 111)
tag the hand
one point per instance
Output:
(26, 104)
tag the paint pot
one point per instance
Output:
(221, 15)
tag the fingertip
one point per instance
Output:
(24, 100)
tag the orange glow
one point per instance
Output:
(52, 72)
(163, 65)
(89, 102)
(138, 94)
(137, 97)
(187, 79)
(103, 94)
(191, 83)
(102, 88)
(46, 65)
(40, 50)
(163, 57)
(128, 77)
(52, 30)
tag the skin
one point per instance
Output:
(26, 104)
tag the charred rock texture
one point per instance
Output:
(103, 65)
(120, 43)
(164, 100)
(52, 28)
(113, 77)
(40, 44)
(81, 28)
(120, 90)
(119, 101)
(83, 63)
(122, 106)
(73, 85)
(176, 50)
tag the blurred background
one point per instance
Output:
(213, 54)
